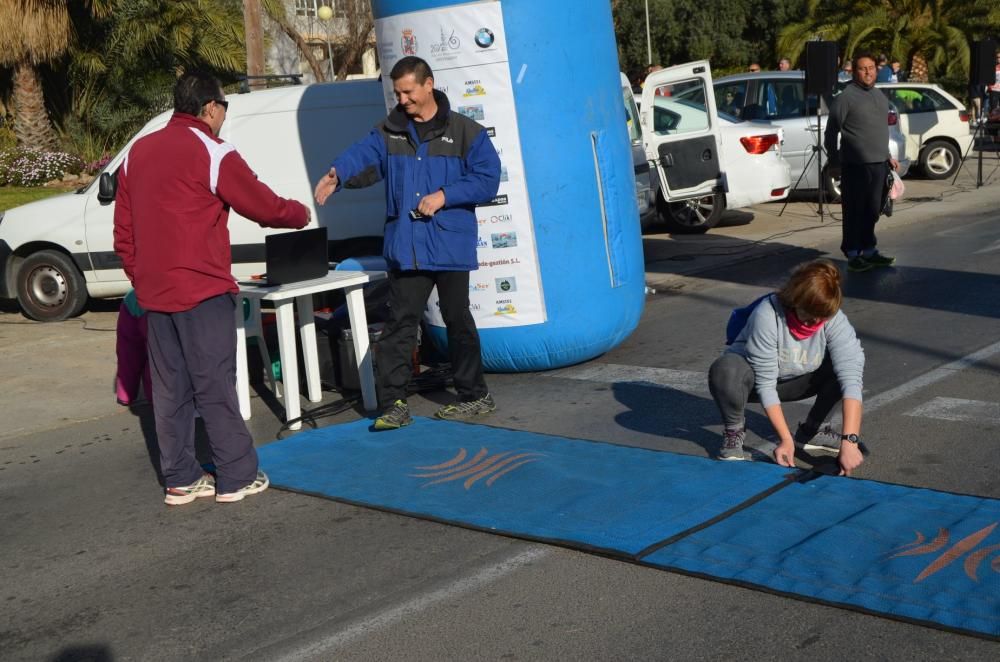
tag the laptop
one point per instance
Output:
(292, 257)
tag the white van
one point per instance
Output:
(57, 251)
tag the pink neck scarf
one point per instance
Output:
(799, 329)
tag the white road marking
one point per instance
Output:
(611, 373)
(319, 646)
(995, 246)
(958, 409)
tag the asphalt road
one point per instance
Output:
(94, 567)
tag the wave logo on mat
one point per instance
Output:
(481, 465)
(966, 545)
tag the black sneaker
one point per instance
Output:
(876, 259)
(858, 263)
(460, 410)
(395, 417)
(732, 445)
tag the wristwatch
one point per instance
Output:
(853, 438)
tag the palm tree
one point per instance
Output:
(32, 32)
(932, 35)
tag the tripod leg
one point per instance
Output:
(798, 181)
(975, 136)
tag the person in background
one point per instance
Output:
(175, 189)
(897, 75)
(131, 350)
(754, 68)
(856, 141)
(995, 89)
(442, 164)
(846, 71)
(784, 64)
(796, 344)
(979, 97)
(884, 73)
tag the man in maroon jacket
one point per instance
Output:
(175, 189)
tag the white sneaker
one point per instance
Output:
(256, 487)
(178, 496)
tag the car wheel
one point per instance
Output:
(49, 287)
(939, 159)
(831, 186)
(693, 216)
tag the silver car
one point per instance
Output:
(778, 98)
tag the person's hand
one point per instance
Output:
(894, 164)
(850, 458)
(309, 214)
(431, 203)
(784, 454)
(326, 186)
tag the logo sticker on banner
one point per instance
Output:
(466, 49)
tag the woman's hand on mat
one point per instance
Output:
(784, 454)
(850, 458)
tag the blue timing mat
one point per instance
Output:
(918, 555)
(588, 495)
(910, 553)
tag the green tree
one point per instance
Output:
(128, 56)
(32, 33)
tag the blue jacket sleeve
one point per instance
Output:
(363, 163)
(481, 180)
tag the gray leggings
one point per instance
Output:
(731, 382)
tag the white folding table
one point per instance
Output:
(301, 295)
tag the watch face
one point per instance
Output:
(853, 438)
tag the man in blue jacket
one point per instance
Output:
(437, 165)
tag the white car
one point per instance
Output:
(778, 99)
(935, 125)
(706, 161)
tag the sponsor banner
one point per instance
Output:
(465, 46)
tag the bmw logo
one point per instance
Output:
(484, 38)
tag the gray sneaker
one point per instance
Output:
(732, 445)
(823, 439)
(461, 410)
(395, 417)
(259, 484)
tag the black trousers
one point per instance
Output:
(408, 292)
(731, 382)
(192, 356)
(862, 187)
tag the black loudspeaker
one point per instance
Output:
(821, 67)
(981, 68)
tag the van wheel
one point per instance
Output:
(49, 287)
(939, 159)
(693, 216)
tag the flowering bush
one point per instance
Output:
(32, 167)
(94, 167)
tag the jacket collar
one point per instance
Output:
(185, 120)
(399, 122)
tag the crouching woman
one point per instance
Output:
(796, 344)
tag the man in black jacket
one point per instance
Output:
(859, 116)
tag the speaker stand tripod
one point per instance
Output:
(978, 134)
(817, 155)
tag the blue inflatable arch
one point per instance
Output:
(580, 180)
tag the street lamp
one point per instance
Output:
(325, 14)
(649, 42)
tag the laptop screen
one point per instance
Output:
(296, 256)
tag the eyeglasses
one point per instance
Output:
(223, 103)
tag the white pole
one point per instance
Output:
(649, 43)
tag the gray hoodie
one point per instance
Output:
(774, 354)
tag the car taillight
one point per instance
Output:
(759, 144)
(963, 115)
(893, 119)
